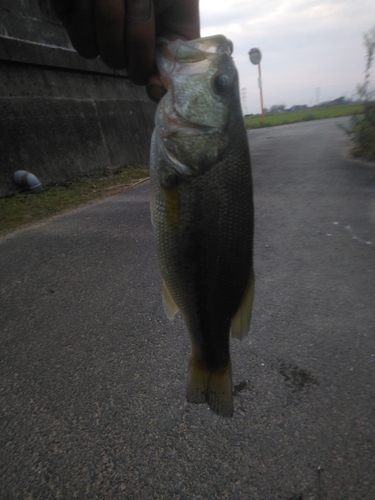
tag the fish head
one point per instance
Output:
(193, 120)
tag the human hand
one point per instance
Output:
(123, 32)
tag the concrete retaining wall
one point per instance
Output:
(62, 116)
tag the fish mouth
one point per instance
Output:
(170, 122)
(178, 61)
(173, 127)
(198, 53)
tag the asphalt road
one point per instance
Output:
(93, 374)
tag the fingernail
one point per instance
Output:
(138, 10)
(155, 93)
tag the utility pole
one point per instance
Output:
(244, 102)
(255, 57)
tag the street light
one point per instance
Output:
(255, 57)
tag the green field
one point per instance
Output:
(270, 120)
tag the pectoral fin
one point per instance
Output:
(172, 206)
(169, 305)
(213, 387)
(241, 320)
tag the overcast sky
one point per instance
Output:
(312, 50)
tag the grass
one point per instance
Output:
(303, 115)
(362, 132)
(26, 208)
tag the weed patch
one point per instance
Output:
(362, 131)
(26, 208)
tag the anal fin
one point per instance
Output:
(215, 387)
(241, 320)
(169, 305)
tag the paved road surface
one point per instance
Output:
(93, 374)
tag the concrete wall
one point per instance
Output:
(62, 116)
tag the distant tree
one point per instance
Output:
(277, 108)
(362, 126)
(369, 43)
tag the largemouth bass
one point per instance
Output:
(202, 208)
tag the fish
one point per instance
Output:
(201, 197)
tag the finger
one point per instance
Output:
(176, 19)
(140, 40)
(179, 21)
(78, 19)
(110, 36)
(155, 89)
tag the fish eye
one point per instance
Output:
(220, 83)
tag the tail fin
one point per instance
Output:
(213, 387)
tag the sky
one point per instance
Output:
(312, 50)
